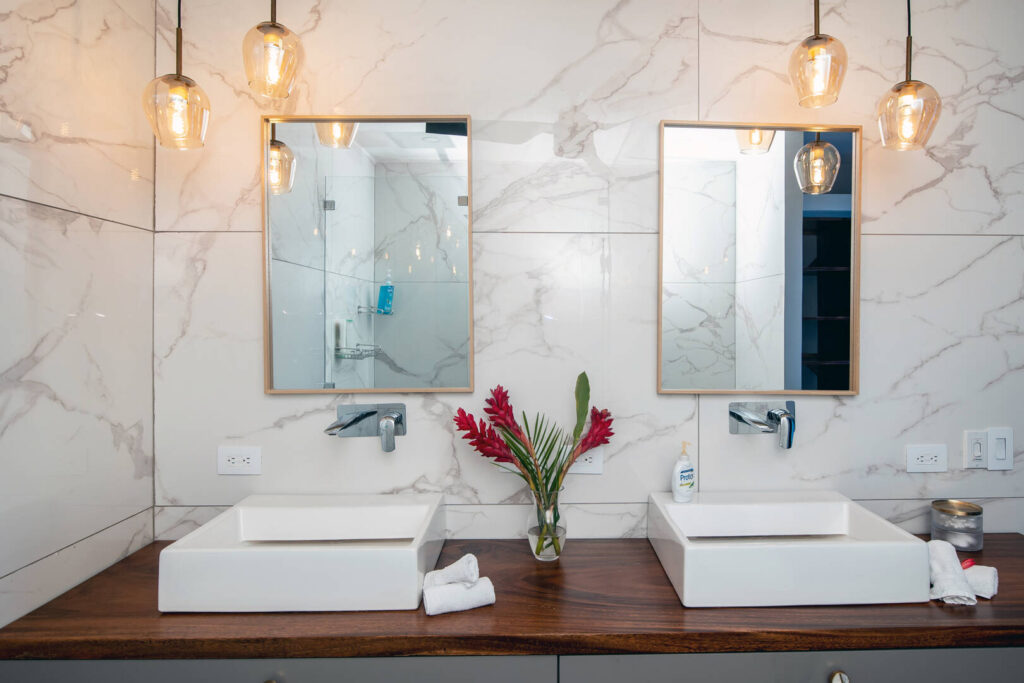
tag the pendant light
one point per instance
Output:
(271, 55)
(817, 67)
(816, 166)
(280, 165)
(908, 112)
(337, 134)
(177, 108)
(754, 140)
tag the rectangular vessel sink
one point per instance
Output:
(283, 553)
(783, 548)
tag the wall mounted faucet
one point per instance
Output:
(764, 417)
(355, 420)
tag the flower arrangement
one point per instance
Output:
(539, 451)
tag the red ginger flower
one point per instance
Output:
(483, 438)
(600, 430)
(501, 413)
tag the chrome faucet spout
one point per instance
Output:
(766, 417)
(348, 420)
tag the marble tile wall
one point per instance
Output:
(566, 247)
(76, 250)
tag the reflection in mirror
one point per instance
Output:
(368, 255)
(759, 235)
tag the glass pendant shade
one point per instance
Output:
(816, 68)
(178, 111)
(280, 168)
(755, 140)
(816, 166)
(337, 134)
(271, 55)
(907, 115)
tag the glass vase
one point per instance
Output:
(545, 533)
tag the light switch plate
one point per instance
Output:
(927, 458)
(975, 449)
(1000, 448)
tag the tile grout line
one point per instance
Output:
(72, 211)
(73, 543)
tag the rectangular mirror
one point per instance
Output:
(760, 237)
(367, 244)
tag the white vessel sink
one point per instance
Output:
(783, 548)
(283, 553)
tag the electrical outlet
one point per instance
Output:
(239, 460)
(975, 449)
(591, 462)
(927, 458)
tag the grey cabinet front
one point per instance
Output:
(355, 670)
(976, 665)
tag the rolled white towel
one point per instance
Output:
(463, 570)
(984, 581)
(948, 581)
(456, 597)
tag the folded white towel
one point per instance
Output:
(463, 570)
(948, 581)
(455, 597)
(984, 581)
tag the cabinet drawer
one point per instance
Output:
(355, 670)
(977, 665)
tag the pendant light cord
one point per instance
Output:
(908, 40)
(177, 43)
(273, 11)
(817, 18)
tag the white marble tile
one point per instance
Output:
(75, 382)
(760, 333)
(173, 522)
(968, 181)
(73, 130)
(594, 81)
(554, 288)
(940, 353)
(297, 218)
(1001, 515)
(35, 585)
(700, 221)
(592, 520)
(699, 335)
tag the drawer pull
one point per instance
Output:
(838, 677)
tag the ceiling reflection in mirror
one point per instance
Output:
(368, 254)
(759, 235)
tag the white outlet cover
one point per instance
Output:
(927, 458)
(591, 462)
(239, 460)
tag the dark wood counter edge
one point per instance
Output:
(553, 644)
(59, 631)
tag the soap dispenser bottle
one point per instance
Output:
(684, 478)
(386, 297)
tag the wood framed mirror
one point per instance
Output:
(367, 248)
(759, 258)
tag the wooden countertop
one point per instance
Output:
(603, 596)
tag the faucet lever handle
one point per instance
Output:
(786, 425)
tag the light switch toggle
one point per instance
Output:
(975, 449)
(1000, 448)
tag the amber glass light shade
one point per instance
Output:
(178, 111)
(816, 166)
(337, 134)
(816, 68)
(907, 115)
(280, 168)
(754, 140)
(271, 54)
